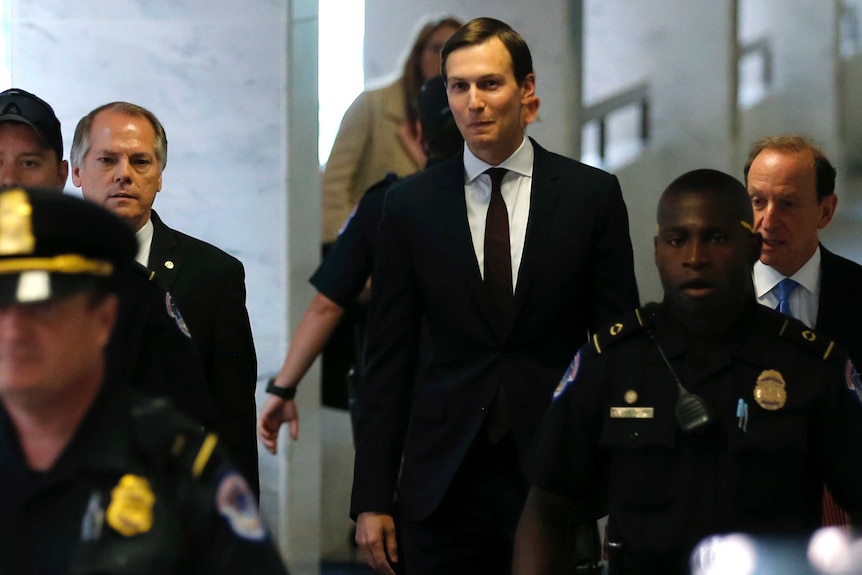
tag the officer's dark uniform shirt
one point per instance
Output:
(758, 468)
(150, 347)
(139, 489)
(345, 270)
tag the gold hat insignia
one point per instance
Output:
(16, 224)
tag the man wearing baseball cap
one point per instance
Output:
(31, 144)
(148, 346)
(97, 475)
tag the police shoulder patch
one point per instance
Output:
(236, 503)
(631, 323)
(853, 380)
(174, 313)
(570, 375)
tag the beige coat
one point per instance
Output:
(366, 148)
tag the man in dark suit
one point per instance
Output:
(510, 275)
(792, 188)
(118, 155)
(147, 347)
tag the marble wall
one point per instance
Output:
(216, 78)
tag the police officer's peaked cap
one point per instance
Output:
(53, 245)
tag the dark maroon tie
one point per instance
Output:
(498, 282)
(498, 255)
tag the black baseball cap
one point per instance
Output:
(17, 105)
(53, 244)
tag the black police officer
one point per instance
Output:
(94, 477)
(150, 345)
(704, 415)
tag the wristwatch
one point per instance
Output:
(282, 392)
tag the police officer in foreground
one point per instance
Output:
(703, 415)
(95, 478)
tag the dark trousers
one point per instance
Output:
(473, 529)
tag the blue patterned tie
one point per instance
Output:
(785, 288)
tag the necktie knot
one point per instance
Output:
(786, 287)
(496, 175)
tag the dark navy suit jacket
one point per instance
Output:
(576, 274)
(209, 288)
(839, 313)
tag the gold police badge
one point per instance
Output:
(131, 508)
(770, 392)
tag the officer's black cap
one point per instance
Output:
(20, 106)
(433, 105)
(52, 245)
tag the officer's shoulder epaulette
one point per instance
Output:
(170, 440)
(814, 342)
(632, 323)
(382, 185)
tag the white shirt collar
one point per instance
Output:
(145, 241)
(808, 276)
(520, 162)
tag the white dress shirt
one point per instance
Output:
(145, 241)
(516, 190)
(804, 301)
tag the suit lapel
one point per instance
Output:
(165, 259)
(826, 295)
(544, 196)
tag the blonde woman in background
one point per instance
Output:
(378, 133)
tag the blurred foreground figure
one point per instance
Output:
(95, 478)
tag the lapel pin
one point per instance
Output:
(169, 264)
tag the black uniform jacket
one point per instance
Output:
(139, 489)
(347, 266)
(576, 273)
(787, 418)
(150, 347)
(209, 288)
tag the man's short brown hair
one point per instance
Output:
(479, 31)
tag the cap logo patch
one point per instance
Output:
(16, 225)
(33, 285)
